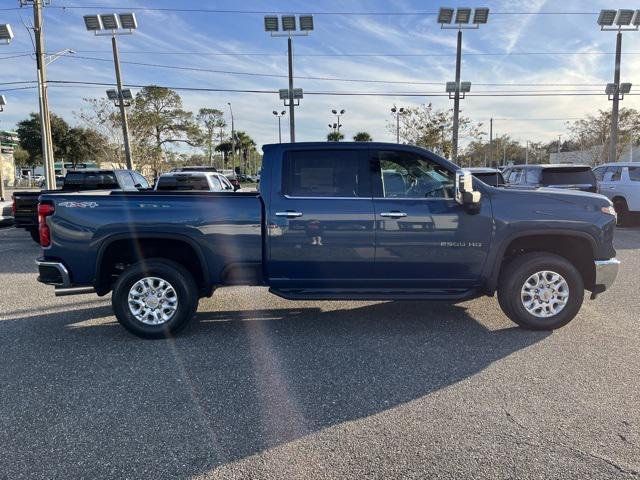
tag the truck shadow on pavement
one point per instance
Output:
(80, 394)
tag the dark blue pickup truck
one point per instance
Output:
(346, 221)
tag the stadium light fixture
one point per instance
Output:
(271, 23)
(288, 23)
(463, 16)
(306, 23)
(445, 16)
(625, 88)
(3, 102)
(480, 16)
(6, 34)
(619, 20)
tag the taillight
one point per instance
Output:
(13, 207)
(44, 210)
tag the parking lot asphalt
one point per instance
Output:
(261, 387)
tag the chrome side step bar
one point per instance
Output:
(62, 292)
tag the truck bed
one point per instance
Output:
(225, 227)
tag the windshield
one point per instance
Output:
(568, 176)
(490, 178)
(183, 182)
(90, 181)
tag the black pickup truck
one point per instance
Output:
(25, 204)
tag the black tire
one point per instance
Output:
(35, 236)
(177, 276)
(622, 211)
(516, 273)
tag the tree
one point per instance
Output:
(335, 136)
(244, 145)
(161, 123)
(21, 157)
(432, 129)
(593, 134)
(209, 119)
(30, 136)
(85, 145)
(225, 148)
(362, 137)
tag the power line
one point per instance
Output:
(364, 54)
(333, 93)
(280, 12)
(332, 79)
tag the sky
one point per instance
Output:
(545, 43)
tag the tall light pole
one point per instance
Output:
(116, 24)
(279, 115)
(6, 35)
(338, 114)
(397, 112)
(461, 22)
(624, 20)
(233, 140)
(271, 25)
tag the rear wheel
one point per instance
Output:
(155, 298)
(540, 291)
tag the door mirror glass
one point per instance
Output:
(465, 194)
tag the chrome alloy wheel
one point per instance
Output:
(152, 301)
(545, 294)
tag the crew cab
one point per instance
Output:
(25, 204)
(333, 221)
(621, 183)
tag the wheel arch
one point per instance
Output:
(582, 256)
(196, 260)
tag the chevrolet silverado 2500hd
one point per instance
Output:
(333, 221)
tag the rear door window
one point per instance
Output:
(634, 174)
(325, 173)
(612, 174)
(568, 176)
(183, 182)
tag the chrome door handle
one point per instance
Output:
(393, 214)
(289, 214)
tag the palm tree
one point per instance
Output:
(362, 137)
(335, 136)
(244, 144)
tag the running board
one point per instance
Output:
(375, 294)
(63, 292)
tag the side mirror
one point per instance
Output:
(465, 194)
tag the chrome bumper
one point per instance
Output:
(65, 278)
(606, 273)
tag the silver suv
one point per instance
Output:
(621, 183)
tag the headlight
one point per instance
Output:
(610, 210)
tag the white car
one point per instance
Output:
(621, 183)
(190, 181)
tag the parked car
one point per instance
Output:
(621, 183)
(490, 176)
(25, 204)
(6, 213)
(324, 227)
(573, 177)
(199, 181)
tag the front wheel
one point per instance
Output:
(155, 298)
(540, 291)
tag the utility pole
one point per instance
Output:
(526, 155)
(292, 122)
(490, 139)
(123, 109)
(559, 137)
(233, 141)
(616, 101)
(45, 121)
(456, 100)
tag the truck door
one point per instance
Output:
(424, 238)
(320, 219)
